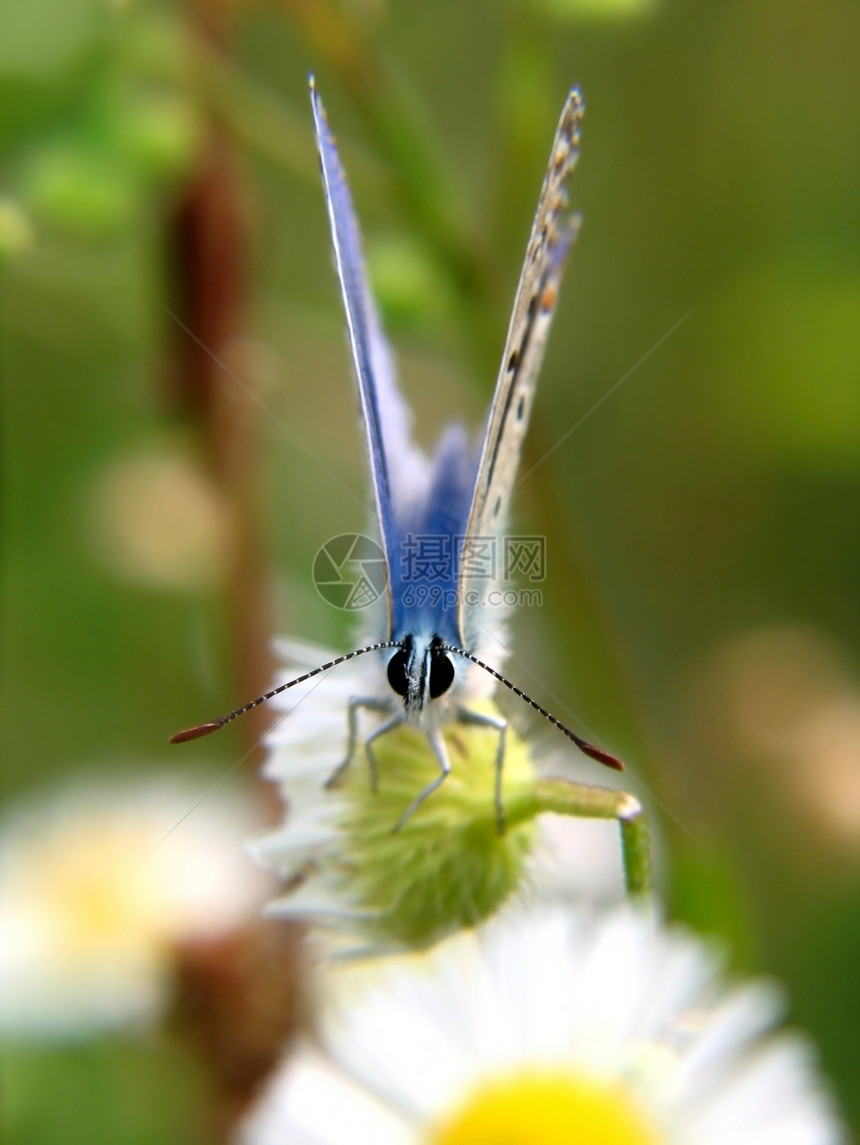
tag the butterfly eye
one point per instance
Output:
(397, 673)
(441, 676)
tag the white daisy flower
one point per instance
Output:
(97, 884)
(548, 1028)
(449, 866)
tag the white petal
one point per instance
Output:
(772, 1099)
(312, 1102)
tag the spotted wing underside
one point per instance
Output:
(553, 231)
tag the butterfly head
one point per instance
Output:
(420, 671)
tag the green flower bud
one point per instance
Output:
(450, 865)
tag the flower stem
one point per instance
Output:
(583, 801)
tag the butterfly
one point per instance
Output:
(438, 620)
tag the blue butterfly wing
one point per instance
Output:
(398, 468)
(418, 503)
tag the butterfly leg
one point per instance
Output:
(441, 752)
(389, 725)
(355, 703)
(497, 723)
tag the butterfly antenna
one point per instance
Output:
(604, 757)
(213, 725)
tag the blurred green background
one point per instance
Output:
(701, 609)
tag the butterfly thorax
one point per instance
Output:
(424, 539)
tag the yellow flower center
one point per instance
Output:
(548, 1109)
